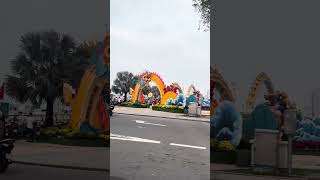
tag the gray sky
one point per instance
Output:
(160, 36)
(83, 19)
(281, 38)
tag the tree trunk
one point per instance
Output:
(49, 111)
(125, 97)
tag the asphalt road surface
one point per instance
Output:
(19, 172)
(144, 148)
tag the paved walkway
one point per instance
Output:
(306, 162)
(299, 162)
(150, 112)
(94, 158)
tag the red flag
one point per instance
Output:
(2, 92)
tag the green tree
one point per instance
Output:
(146, 90)
(203, 8)
(151, 89)
(46, 60)
(155, 91)
(122, 84)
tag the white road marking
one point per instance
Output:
(143, 122)
(184, 145)
(135, 139)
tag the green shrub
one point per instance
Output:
(63, 132)
(49, 132)
(135, 105)
(67, 133)
(168, 108)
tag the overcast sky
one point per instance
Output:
(83, 19)
(281, 38)
(160, 36)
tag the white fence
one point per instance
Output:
(58, 118)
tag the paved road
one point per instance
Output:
(144, 148)
(18, 172)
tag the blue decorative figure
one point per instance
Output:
(226, 123)
(180, 99)
(308, 130)
(261, 118)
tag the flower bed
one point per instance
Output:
(168, 108)
(134, 105)
(74, 138)
(222, 152)
(205, 108)
(306, 145)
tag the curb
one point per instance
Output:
(61, 166)
(185, 119)
(255, 175)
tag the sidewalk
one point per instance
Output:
(90, 158)
(150, 112)
(299, 162)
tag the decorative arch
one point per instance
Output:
(261, 78)
(147, 77)
(221, 86)
(176, 85)
(191, 90)
(168, 95)
(87, 103)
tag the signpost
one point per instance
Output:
(290, 127)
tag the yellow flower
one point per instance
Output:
(226, 146)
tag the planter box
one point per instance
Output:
(223, 157)
(243, 157)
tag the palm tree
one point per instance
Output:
(46, 60)
(122, 84)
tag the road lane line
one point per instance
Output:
(143, 122)
(184, 145)
(135, 139)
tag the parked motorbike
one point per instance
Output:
(6, 147)
(11, 130)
